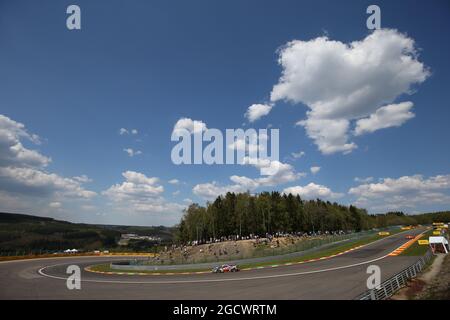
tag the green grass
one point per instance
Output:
(315, 255)
(321, 253)
(107, 268)
(418, 250)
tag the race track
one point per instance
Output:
(341, 277)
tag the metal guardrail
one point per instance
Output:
(391, 285)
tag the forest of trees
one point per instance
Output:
(244, 214)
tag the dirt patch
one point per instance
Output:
(232, 250)
(438, 287)
(434, 283)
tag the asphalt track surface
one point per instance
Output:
(340, 277)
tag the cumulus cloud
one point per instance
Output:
(257, 111)
(174, 181)
(22, 170)
(31, 181)
(330, 136)
(402, 193)
(136, 185)
(12, 151)
(393, 115)
(314, 170)
(193, 126)
(340, 82)
(313, 191)
(251, 144)
(277, 173)
(140, 193)
(211, 190)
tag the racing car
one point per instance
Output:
(409, 236)
(225, 268)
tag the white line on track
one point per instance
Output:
(42, 273)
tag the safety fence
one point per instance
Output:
(296, 249)
(393, 284)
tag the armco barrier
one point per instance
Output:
(391, 285)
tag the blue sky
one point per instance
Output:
(144, 65)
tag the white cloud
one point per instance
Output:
(342, 82)
(211, 190)
(131, 152)
(330, 136)
(140, 194)
(313, 191)
(36, 182)
(314, 170)
(55, 205)
(297, 155)
(257, 111)
(363, 180)
(278, 173)
(256, 142)
(174, 181)
(393, 115)
(139, 178)
(123, 131)
(193, 126)
(22, 173)
(12, 151)
(83, 178)
(402, 193)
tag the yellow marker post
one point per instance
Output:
(423, 242)
(436, 233)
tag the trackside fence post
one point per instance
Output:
(391, 285)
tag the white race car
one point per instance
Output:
(225, 268)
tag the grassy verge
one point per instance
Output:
(107, 268)
(322, 253)
(316, 255)
(418, 250)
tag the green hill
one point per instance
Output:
(24, 234)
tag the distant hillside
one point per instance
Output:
(20, 233)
